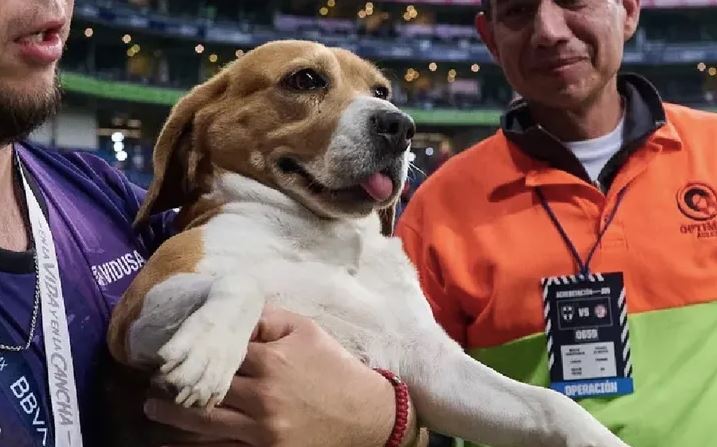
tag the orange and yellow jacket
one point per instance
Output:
(481, 242)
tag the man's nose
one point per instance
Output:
(550, 27)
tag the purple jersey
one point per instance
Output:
(90, 207)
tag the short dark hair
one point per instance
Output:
(485, 7)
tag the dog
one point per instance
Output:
(283, 165)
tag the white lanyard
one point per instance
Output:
(60, 367)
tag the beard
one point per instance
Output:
(21, 113)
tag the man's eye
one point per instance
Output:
(569, 4)
(516, 10)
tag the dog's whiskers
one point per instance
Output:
(413, 167)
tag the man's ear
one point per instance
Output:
(485, 30)
(632, 17)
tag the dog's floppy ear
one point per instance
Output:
(388, 217)
(181, 162)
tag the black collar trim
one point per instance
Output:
(23, 261)
(644, 115)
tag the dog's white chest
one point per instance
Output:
(358, 287)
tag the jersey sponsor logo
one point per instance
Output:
(30, 406)
(119, 268)
(698, 202)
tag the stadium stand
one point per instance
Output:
(128, 61)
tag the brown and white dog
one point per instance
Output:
(281, 164)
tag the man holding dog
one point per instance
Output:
(577, 247)
(67, 253)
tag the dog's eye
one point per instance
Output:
(306, 80)
(381, 92)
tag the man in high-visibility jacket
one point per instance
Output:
(577, 247)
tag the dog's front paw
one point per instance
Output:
(200, 364)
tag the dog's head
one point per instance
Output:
(311, 121)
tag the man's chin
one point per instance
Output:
(25, 106)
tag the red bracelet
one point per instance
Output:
(401, 422)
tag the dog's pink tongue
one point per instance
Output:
(378, 186)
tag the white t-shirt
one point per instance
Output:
(594, 154)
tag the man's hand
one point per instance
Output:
(297, 387)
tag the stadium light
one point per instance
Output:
(702, 66)
(133, 50)
(121, 156)
(452, 76)
(410, 14)
(712, 71)
(362, 14)
(430, 151)
(126, 38)
(331, 3)
(117, 137)
(324, 10)
(118, 146)
(433, 66)
(239, 53)
(213, 58)
(475, 68)
(199, 48)
(89, 32)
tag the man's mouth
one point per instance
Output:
(557, 64)
(377, 187)
(43, 45)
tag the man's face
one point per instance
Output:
(559, 53)
(32, 37)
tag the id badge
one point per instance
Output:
(588, 337)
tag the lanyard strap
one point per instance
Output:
(584, 267)
(58, 354)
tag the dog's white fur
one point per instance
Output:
(265, 246)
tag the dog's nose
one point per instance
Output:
(396, 128)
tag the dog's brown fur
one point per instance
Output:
(243, 112)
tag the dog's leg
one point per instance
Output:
(203, 356)
(457, 395)
(165, 307)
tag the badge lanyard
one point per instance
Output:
(586, 323)
(58, 353)
(584, 267)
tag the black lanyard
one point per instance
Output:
(584, 267)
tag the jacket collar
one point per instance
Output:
(644, 115)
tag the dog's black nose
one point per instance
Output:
(396, 128)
